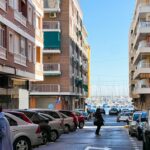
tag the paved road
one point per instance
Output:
(113, 137)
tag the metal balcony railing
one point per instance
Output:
(143, 65)
(45, 88)
(52, 25)
(20, 59)
(52, 5)
(51, 67)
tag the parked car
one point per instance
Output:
(56, 129)
(81, 120)
(20, 115)
(24, 135)
(141, 124)
(41, 121)
(68, 123)
(73, 115)
(146, 133)
(54, 114)
(86, 115)
(125, 117)
(137, 124)
(113, 111)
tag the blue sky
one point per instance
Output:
(108, 24)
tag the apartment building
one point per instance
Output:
(139, 55)
(21, 44)
(65, 58)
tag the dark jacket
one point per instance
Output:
(99, 118)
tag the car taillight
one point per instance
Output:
(38, 130)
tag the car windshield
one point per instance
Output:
(135, 117)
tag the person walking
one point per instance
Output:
(5, 136)
(99, 121)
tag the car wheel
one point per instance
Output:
(81, 125)
(66, 129)
(44, 136)
(22, 143)
(54, 136)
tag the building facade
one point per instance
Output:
(21, 44)
(65, 58)
(139, 55)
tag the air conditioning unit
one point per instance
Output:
(52, 15)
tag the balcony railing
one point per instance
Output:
(45, 88)
(2, 53)
(3, 4)
(20, 59)
(51, 25)
(51, 67)
(143, 44)
(51, 5)
(20, 18)
(143, 65)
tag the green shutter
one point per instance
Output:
(85, 87)
(52, 40)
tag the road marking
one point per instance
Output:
(97, 148)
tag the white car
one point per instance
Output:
(24, 135)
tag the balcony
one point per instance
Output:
(143, 70)
(20, 59)
(51, 69)
(20, 18)
(51, 6)
(142, 8)
(143, 29)
(3, 4)
(51, 26)
(52, 42)
(142, 87)
(85, 67)
(2, 53)
(143, 49)
(44, 89)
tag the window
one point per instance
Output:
(17, 44)
(11, 3)
(11, 121)
(23, 45)
(30, 14)
(34, 19)
(2, 36)
(29, 52)
(38, 22)
(11, 42)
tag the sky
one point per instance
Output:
(108, 24)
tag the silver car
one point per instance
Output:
(24, 135)
(56, 127)
(68, 123)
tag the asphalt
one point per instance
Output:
(114, 136)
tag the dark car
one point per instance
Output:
(113, 111)
(42, 121)
(141, 124)
(146, 133)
